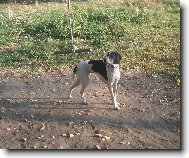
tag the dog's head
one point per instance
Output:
(112, 57)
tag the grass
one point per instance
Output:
(147, 33)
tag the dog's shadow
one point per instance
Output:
(53, 103)
(91, 105)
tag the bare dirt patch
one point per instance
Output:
(35, 113)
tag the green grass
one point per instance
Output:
(149, 38)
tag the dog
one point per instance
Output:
(107, 69)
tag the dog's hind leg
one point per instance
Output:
(77, 83)
(85, 83)
(82, 93)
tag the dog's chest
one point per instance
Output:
(113, 71)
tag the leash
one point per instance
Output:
(113, 65)
(73, 47)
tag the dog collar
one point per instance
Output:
(113, 65)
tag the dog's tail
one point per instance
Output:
(74, 72)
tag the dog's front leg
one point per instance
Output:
(115, 90)
(110, 87)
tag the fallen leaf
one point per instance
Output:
(99, 135)
(142, 110)
(98, 146)
(24, 139)
(121, 142)
(61, 147)
(84, 122)
(26, 120)
(70, 123)
(96, 94)
(40, 137)
(42, 128)
(64, 135)
(178, 82)
(58, 101)
(33, 100)
(8, 129)
(103, 137)
(71, 135)
(45, 147)
(106, 137)
(75, 126)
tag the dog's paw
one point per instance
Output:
(70, 97)
(85, 103)
(117, 108)
(118, 103)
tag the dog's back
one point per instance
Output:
(82, 67)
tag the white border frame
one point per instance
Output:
(184, 153)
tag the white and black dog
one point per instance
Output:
(107, 69)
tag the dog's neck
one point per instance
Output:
(114, 66)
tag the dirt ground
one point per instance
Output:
(35, 112)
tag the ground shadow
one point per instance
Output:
(7, 111)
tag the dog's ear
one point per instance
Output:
(117, 58)
(120, 57)
(108, 53)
